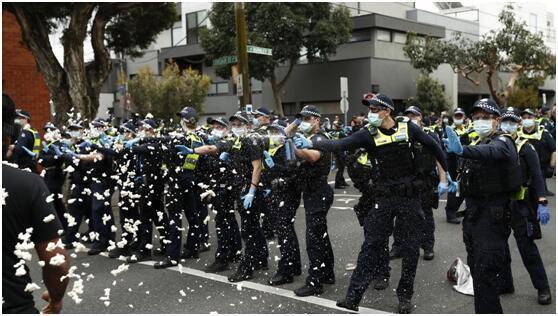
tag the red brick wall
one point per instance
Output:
(21, 79)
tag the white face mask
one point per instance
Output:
(483, 127)
(75, 134)
(458, 122)
(17, 121)
(66, 141)
(509, 127)
(52, 136)
(528, 123)
(255, 122)
(305, 127)
(141, 134)
(239, 131)
(94, 133)
(374, 119)
(217, 133)
(445, 120)
(276, 140)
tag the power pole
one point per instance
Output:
(242, 54)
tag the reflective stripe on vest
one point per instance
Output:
(535, 136)
(191, 160)
(273, 151)
(520, 195)
(401, 135)
(363, 160)
(36, 141)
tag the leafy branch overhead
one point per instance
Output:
(513, 48)
(291, 30)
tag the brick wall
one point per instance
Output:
(20, 76)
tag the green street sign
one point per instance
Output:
(225, 60)
(259, 50)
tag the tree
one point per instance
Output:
(124, 28)
(512, 49)
(292, 30)
(430, 95)
(165, 96)
(525, 93)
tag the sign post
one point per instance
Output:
(344, 103)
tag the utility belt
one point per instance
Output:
(500, 213)
(412, 189)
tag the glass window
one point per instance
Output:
(533, 22)
(256, 85)
(223, 88)
(212, 89)
(194, 22)
(360, 35)
(383, 35)
(399, 37)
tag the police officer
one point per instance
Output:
(528, 206)
(53, 163)
(491, 175)
(543, 142)
(28, 145)
(318, 197)
(546, 120)
(245, 154)
(395, 193)
(428, 170)
(340, 157)
(283, 198)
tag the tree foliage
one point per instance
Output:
(119, 27)
(525, 94)
(290, 29)
(513, 48)
(164, 96)
(430, 95)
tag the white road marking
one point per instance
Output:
(346, 180)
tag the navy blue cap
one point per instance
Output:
(99, 123)
(128, 127)
(309, 110)
(366, 98)
(528, 111)
(220, 120)
(512, 114)
(487, 105)
(381, 100)
(413, 109)
(49, 126)
(75, 125)
(458, 111)
(188, 113)
(262, 110)
(241, 116)
(149, 122)
(23, 113)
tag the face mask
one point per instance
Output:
(75, 134)
(255, 122)
(66, 141)
(141, 134)
(94, 133)
(509, 127)
(52, 136)
(458, 122)
(218, 133)
(528, 123)
(416, 122)
(483, 127)
(239, 131)
(276, 140)
(305, 127)
(374, 119)
(17, 122)
(445, 120)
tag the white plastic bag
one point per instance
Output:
(460, 274)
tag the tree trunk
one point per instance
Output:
(276, 95)
(502, 101)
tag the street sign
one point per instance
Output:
(239, 85)
(344, 103)
(259, 50)
(225, 60)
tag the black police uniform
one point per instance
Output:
(544, 144)
(242, 151)
(30, 140)
(395, 191)
(340, 158)
(54, 177)
(526, 227)
(268, 216)
(317, 196)
(491, 175)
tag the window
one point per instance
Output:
(399, 37)
(256, 86)
(533, 22)
(219, 88)
(194, 22)
(360, 35)
(383, 35)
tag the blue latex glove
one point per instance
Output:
(301, 142)
(224, 156)
(297, 121)
(442, 188)
(56, 149)
(84, 145)
(268, 160)
(452, 185)
(69, 152)
(347, 129)
(543, 214)
(249, 198)
(131, 143)
(453, 144)
(29, 152)
(183, 149)
(267, 192)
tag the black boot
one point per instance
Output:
(166, 263)
(279, 279)
(545, 297)
(217, 266)
(240, 275)
(117, 252)
(139, 256)
(395, 253)
(348, 305)
(428, 254)
(405, 306)
(190, 254)
(453, 220)
(381, 283)
(97, 248)
(308, 290)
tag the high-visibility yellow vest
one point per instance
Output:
(191, 160)
(36, 141)
(401, 135)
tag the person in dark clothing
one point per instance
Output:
(27, 217)
(28, 145)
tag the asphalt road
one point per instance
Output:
(142, 289)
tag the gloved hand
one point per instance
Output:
(452, 184)
(297, 122)
(224, 156)
(302, 142)
(268, 160)
(84, 145)
(131, 143)
(543, 214)
(56, 149)
(347, 129)
(453, 144)
(183, 149)
(249, 198)
(442, 188)
(267, 192)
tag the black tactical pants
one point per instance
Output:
(255, 245)
(152, 213)
(426, 236)
(229, 243)
(286, 202)
(79, 207)
(340, 162)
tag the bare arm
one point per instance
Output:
(206, 150)
(52, 274)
